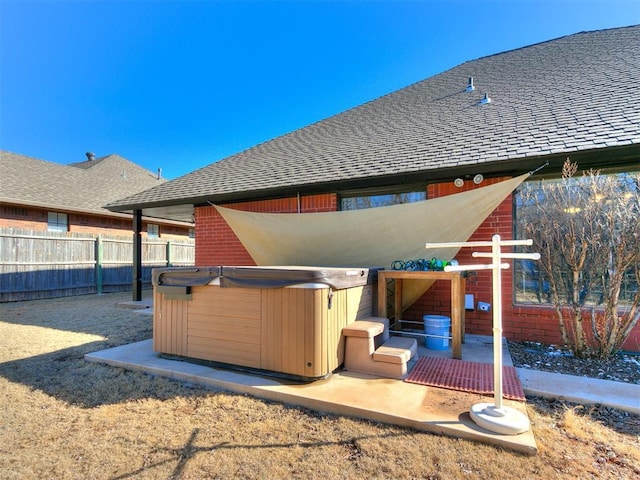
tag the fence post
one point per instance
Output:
(168, 255)
(99, 254)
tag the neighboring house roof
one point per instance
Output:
(574, 96)
(81, 187)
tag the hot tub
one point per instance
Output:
(283, 320)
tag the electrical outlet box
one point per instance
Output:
(484, 307)
(468, 301)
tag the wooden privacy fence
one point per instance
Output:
(49, 264)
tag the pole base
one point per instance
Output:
(505, 420)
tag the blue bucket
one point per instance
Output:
(437, 325)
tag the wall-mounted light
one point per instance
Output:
(478, 179)
(458, 182)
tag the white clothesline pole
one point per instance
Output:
(484, 243)
(465, 268)
(496, 418)
(497, 322)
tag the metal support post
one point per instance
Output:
(137, 256)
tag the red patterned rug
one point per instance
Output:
(465, 376)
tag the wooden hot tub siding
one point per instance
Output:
(285, 330)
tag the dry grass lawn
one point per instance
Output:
(65, 418)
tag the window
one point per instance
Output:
(153, 231)
(192, 233)
(57, 222)
(357, 200)
(545, 206)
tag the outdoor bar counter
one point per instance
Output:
(285, 320)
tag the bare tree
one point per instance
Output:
(588, 233)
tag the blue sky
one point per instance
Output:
(179, 85)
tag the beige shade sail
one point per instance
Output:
(372, 237)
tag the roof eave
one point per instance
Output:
(612, 157)
(86, 211)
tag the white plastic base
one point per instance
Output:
(505, 420)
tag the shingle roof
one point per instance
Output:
(577, 93)
(86, 186)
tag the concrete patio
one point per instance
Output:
(429, 409)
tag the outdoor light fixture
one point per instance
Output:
(458, 182)
(478, 179)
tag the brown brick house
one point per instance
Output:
(57, 239)
(497, 116)
(39, 195)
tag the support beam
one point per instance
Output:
(137, 256)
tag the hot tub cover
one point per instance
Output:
(278, 277)
(184, 276)
(265, 277)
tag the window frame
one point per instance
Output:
(57, 225)
(369, 192)
(519, 272)
(153, 230)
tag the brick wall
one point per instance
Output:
(216, 244)
(23, 217)
(36, 219)
(438, 299)
(520, 322)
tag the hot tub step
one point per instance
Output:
(369, 349)
(396, 350)
(363, 329)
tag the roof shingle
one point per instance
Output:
(575, 93)
(87, 186)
